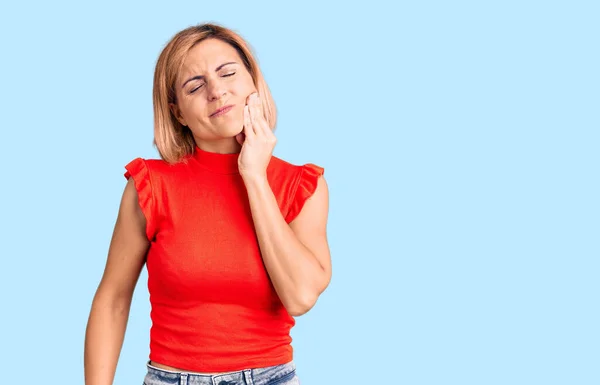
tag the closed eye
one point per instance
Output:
(223, 76)
(195, 89)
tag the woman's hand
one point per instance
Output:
(257, 142)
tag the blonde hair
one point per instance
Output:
(173, 140)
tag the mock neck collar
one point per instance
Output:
(219, 163)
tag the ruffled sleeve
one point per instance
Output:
(306, 185)
(138, 169)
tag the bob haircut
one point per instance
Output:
(173, 140)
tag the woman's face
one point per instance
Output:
(212, 77)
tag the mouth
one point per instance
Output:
(221, 111)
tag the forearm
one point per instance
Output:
(294, 271)
(104, 339)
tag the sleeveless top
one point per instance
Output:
(213, 306)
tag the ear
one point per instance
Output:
(177, 113)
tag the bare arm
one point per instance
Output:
(296, 256)
(110, 308)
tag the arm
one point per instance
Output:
(296, 256)
(107, 322)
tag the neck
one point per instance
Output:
(221, 146)
(221, 158)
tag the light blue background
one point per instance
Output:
(460, 142)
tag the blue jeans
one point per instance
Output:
(284, 374)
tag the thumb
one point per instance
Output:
(241, 137)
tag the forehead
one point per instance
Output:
(208, 55)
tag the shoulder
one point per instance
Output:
(281, 168)
(154, 168)
(294, 184)
(281, 165)
(140, 162)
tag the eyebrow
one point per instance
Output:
(199, 77)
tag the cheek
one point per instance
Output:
(197, 109)
(247, 85)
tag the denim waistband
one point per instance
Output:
(253, 376)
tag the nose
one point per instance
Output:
(216, 89)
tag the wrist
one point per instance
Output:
(254, 179)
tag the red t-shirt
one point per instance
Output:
(214, 308)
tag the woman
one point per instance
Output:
(234, 238)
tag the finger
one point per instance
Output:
(240, 138)
(248, 129)
(256, 115)
(261, 120)
(251, 97)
